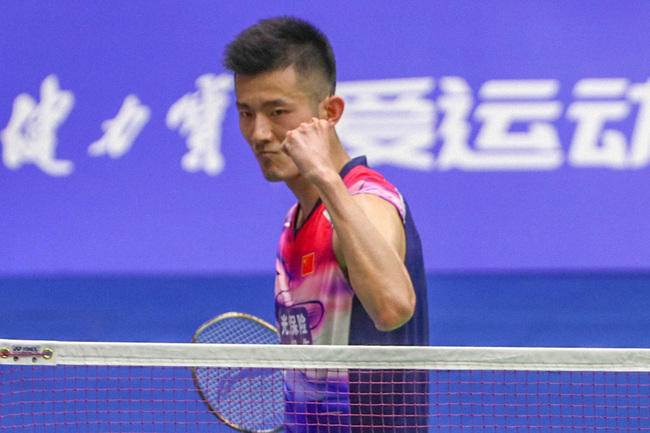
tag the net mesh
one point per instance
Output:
(148, 387)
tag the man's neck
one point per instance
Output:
(306, 194)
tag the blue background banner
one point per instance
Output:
(519, 132)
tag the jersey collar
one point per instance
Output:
(351, 164)
(354, 162)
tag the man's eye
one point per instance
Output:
(278, 112)
(244, 114)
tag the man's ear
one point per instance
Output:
(333, 109)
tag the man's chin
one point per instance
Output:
(272, 176)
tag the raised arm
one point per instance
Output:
(369, 238)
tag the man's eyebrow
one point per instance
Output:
(265, 104)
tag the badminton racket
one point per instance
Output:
(246, 399)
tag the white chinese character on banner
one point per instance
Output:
(121, 131)
(602, 101)
(455, 129)
(390, 121)
(639, 155)
(30, 135)
(199, 116)
(517, 132)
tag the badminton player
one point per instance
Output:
(349, 262)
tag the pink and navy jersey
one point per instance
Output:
(313, 297)
(315, 303)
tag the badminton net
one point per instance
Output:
(53, 386)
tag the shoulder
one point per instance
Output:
(364, 180)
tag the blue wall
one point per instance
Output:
(517, 132)
(572, 310)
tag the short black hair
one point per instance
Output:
(277, 43)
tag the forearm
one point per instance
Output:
(369, 256)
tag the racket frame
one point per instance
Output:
(199, 331)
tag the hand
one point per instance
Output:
(309, 147)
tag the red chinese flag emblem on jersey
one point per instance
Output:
(307, 264)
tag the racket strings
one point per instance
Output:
(248, 399)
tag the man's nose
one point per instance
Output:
(262, 129)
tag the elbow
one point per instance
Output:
(395, 315)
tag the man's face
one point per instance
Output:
(269, 105)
